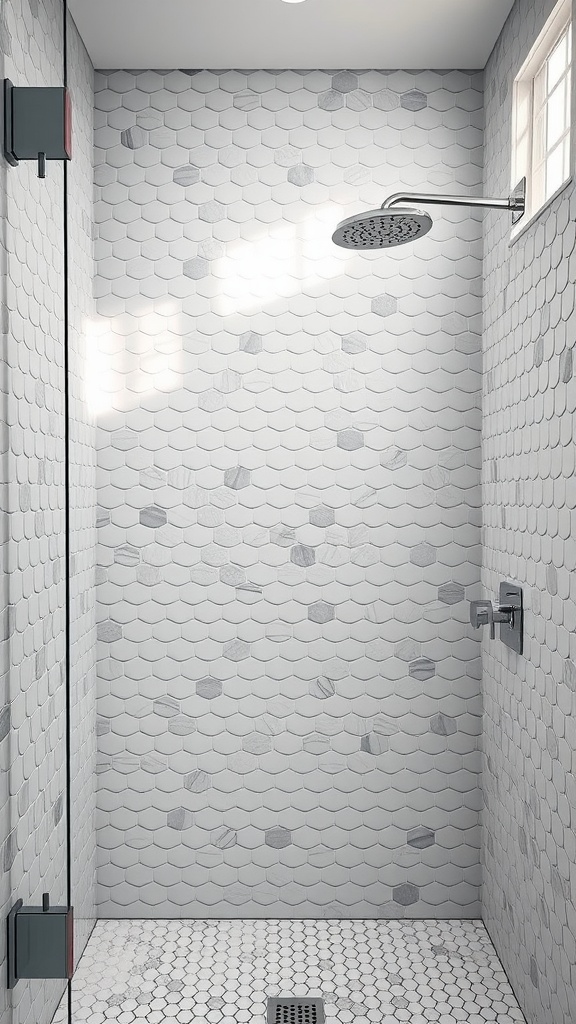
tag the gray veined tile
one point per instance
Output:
(108, 631)
(359, 100)
(126, 554)
(413, 100)
(569, 674)
(153, 516)
(134, 138)
(181, 725)
(567, 365)
(406, 894)
(443, 725)
(323, 687)
(246, 100)
(212, 212)
(9, 850)
(58, 808)
(322, 516)
(4, 721)
(384, 305)
(354, 344)
(223, 838)
(250, 342)
(301, 174)
(196, 268)
(179, 818)
(278, 837)
(302, 555)
(102, 517)
(332, 99)
(451, 593)
(283, 536)
(236, 650)
(423, 555)
(321, 612)
(209, 687)
(166, 707)
(345, 81)
(232, 575)
(421, 838)
(287, 156)
(237, 478)
(186, 175)
(350, 440)
(374, 743)
(316, 744)
(407, 650)
(422, 668)
(386, 99)
(393, 458)
(197, 781)
(257, 743)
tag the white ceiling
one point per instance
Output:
(272, 34)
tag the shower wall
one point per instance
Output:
(32, 638)
(530, 498)
(289, 464)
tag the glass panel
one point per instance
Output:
(522, 109)
(538, 187)
(521, 158)
(557, 62)
(554, 170)
(556, 115)
(566, 148)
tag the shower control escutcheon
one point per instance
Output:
(508, 614)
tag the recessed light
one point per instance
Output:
(293, 1)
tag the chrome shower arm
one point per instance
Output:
(514, 202)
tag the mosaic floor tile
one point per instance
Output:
(367, 972)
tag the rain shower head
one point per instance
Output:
(381, 229)
(395, 224)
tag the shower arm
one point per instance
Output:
(515, 202)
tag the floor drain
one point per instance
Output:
(285, 1010)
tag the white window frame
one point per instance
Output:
(530, 110)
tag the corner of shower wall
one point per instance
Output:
(529, 397)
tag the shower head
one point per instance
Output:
(396, 223)
(381, 229)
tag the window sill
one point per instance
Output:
(524, 227)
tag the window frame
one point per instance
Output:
(525, 115)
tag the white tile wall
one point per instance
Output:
(289, 498)
(33, 590)
(530, 498)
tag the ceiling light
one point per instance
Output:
(293, 1)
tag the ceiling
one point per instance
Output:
(272, 34)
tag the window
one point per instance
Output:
(542, 103)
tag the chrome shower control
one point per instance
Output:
(509, 614)
(483, 614)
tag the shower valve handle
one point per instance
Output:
(482, 613)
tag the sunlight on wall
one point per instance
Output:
(283, 261)
(131, 356)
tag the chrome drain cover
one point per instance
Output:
(286, 1010)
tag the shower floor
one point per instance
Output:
(221, 972)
